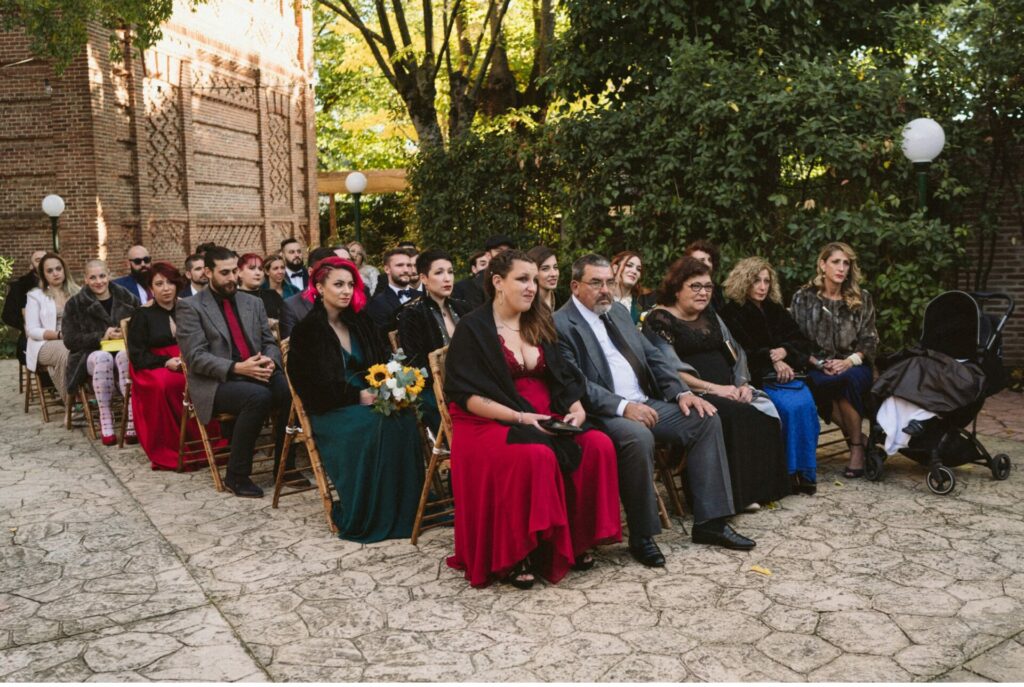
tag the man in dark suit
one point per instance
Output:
(471, 289)
(137, 279)
(294, 267)
(17, 295)
(195, 276)
(234, 364)
(399, 267)
(297, 307)
(635, 395)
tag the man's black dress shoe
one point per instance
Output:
(243, 488)
(648, 553)
(727, 537)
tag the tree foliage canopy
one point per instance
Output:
(59, 28)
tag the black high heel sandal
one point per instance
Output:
(517, 576)
(851, 473)
(584, 562)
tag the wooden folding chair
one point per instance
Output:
(213, 454)
(671, 469)
(393, 340)
(443, 507)
(36, 394)
(23, 374)
(300, 431)
(127, 396)
(831, 441)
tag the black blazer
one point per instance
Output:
(760, 329)
(421, 328)
(471, 290)
(17, 295)
(85, 321)
(383, 308)
(150, 328)
(317, 366)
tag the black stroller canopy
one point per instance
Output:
(954, 324)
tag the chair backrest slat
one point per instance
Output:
(437, 360)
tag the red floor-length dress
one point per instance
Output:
(511, 499)
(157, 407)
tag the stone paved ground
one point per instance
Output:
(114, 572)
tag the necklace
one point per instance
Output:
(502, 325)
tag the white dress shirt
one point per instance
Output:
(624, 380)
(295, 278)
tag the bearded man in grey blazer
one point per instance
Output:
(637, 397)
(234, 364)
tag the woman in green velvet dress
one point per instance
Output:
(374, 461)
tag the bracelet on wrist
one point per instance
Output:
(854, 359)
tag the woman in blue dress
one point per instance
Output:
(777, 353)
(374, 461)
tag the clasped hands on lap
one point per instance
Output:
(258, 367)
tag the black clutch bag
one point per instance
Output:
(558, 427)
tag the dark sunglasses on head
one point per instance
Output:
(141, 261)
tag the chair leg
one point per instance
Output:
(218, 483)
(41, 393)
(21, 378)
(125, 405)
(89, 419)
(289, 439)
(321, 484)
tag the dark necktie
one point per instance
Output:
(237, 335)
(639, 369)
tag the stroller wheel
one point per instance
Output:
(1000, 466)
(941, 480)
(873, 464)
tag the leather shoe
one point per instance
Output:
(648, 553)
(243, 488)
(726, 537)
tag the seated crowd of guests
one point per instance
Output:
(557, 408)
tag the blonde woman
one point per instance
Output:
(44, 315)
(777, 356)
(839, 318)
(368, 272)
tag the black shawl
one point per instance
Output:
(317, 368)
(476, 367)
(760, 329)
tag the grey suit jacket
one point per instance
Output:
(206, 343)
(578, 344)
(294, 311)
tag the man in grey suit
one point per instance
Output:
(636, 397)
(234, 364)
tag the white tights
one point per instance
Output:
(101, 368)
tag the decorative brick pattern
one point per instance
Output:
(164, 140)
(170, 148)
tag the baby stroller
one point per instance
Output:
(955, 325)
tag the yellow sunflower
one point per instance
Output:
(416, 387)
(377, 375)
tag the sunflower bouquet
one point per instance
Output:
(395, 386)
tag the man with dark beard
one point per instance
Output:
(294, 266)
(234, 365)
(399, 267)
(137, 279)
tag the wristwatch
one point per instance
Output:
(820, 365)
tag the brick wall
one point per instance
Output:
(1006, 275)
(208, 136)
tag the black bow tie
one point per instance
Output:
(408, 293)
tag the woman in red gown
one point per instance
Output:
(526, 500)
(155, 369)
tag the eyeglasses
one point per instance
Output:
(597, 284)
(141, 261)
(697, 288)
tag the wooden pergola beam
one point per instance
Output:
(377, 181)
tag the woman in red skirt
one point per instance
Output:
(155, 369)
(528, 499)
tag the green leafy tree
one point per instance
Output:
(59, 29)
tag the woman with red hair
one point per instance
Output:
(155, 370)
(373, 460)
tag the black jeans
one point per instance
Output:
(251, 403)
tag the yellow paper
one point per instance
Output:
(112, 345)
(761, 571)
